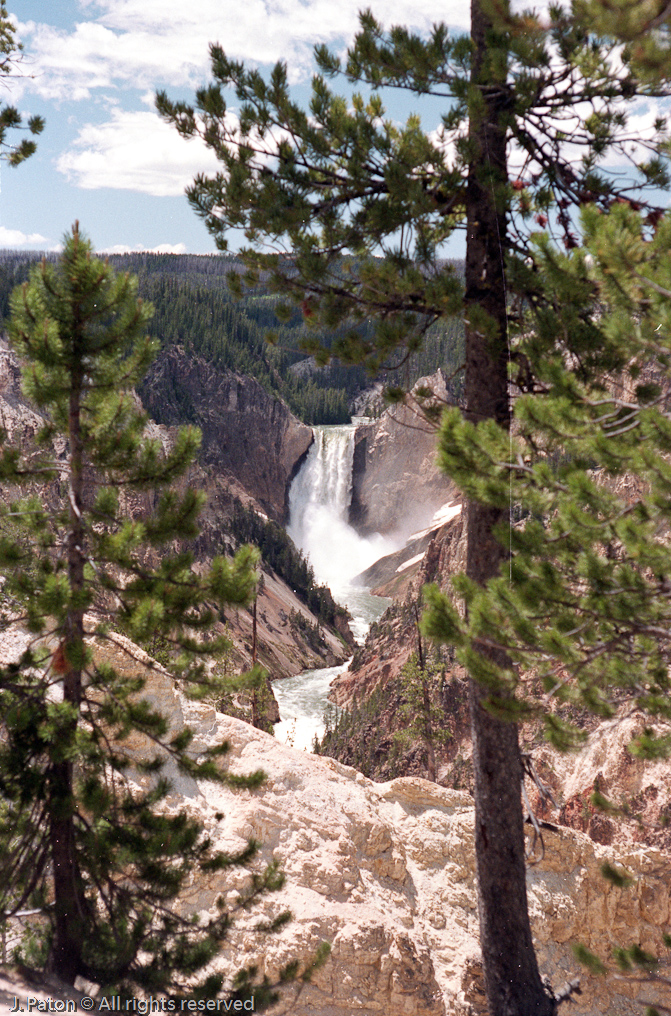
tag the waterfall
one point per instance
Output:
(325, 479)
(319, 502)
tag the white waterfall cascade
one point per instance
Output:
(319, 502)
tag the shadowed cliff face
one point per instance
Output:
(246, 433)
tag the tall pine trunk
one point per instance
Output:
(512, 980)
(66, 959)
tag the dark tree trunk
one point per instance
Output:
(69, 923)
(256, 721)
(66, 958)
(428, 729)
(512, 980)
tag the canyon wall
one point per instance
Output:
(396, 483)
(243, 428)
(392, 641)
(248, 435)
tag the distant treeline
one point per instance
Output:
(231, 333)
(193, 308)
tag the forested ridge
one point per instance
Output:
(194, 308)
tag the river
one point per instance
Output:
(319, 501)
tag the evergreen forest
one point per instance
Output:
(194, 308)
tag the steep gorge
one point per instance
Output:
(248, 437)
(252, 446)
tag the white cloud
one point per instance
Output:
(135, 151)
(139, 248)
(147, 42)
(14, 238)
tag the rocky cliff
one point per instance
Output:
(247, 435)
(385, 873)
(394, 638)
(640, 789)
(396, 483)
(266, 442)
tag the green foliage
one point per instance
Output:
(643, 28)
(362, 204)
(209, 323)
(584, 598)
(192, 309)
(10, 118)
(356, 735)
(632, 964)
(422, 685)
(588, 959)
(236, 334)
(386, 734)
(103, 857)
(617, 878)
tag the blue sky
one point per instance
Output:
(91, 68)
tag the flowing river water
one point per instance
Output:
(319, 502)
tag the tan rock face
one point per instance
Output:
(642, 789)
(396, 483)
(385, 873)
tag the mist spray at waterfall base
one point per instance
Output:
(319, 502)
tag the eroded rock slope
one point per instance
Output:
(385, 873)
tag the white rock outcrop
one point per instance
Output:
(385, 873)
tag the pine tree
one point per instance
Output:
(420, 684)
(10, 118)
(361, 206)
(581, 610)
(583, 604)
(104, 860)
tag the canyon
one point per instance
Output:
(262, 433)
(381, 869)
(385, 873)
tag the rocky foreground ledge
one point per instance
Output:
(385, 873)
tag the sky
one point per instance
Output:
(91, 69)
